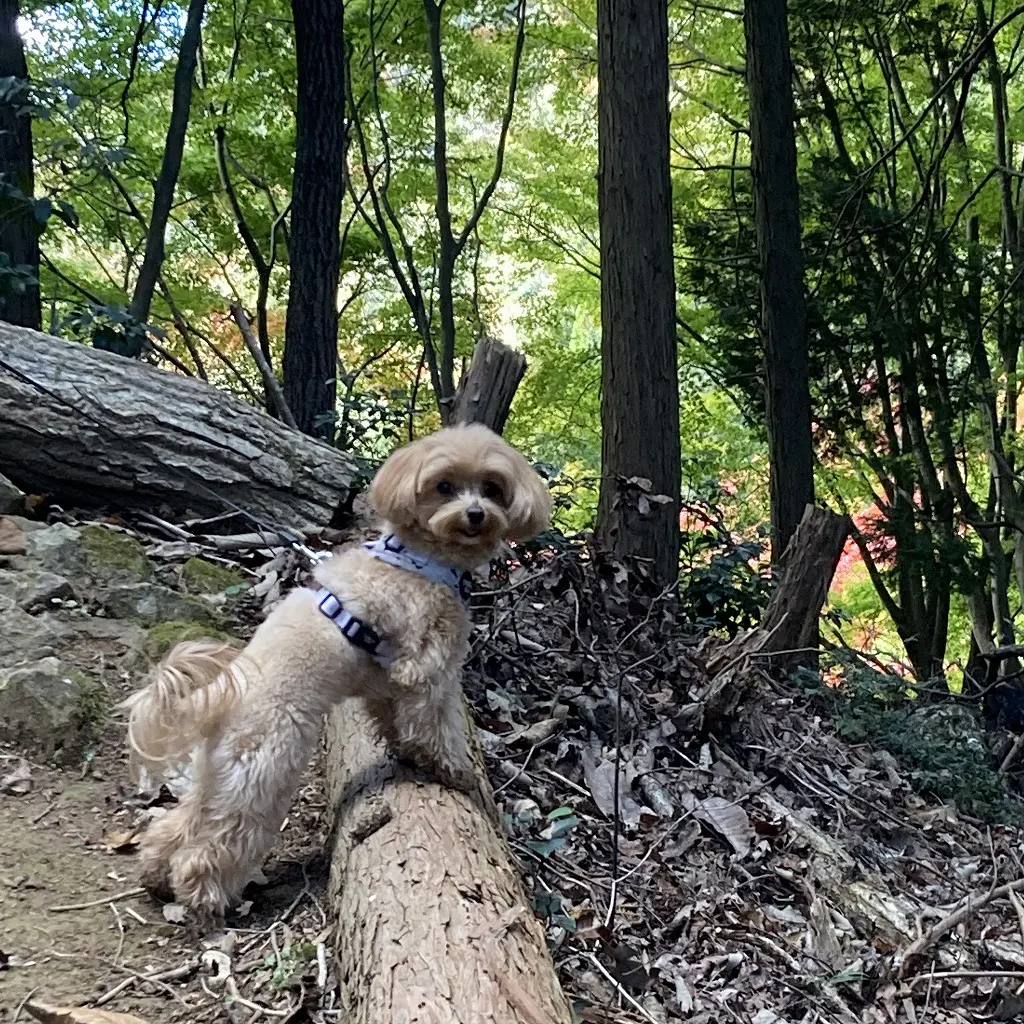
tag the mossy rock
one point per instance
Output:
(112, 556)
(49, 706)
(161, 638)
(149, 604)
(209, 578)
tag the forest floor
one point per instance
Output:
(764, 871)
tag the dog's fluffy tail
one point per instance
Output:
(189, 693)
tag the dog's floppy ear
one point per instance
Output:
(393, 492)
(529, 511)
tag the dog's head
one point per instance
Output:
(460, 492)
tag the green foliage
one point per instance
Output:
(724, 585)
(110, 328)
(940, 745)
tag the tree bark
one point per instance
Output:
(94, 429)
(19, 229)
(311, 330)
(433, 923)
(163, 193)
(640, 389)
(780, 256)
(485, 393)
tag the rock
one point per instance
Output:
(92, 552)
(151, 604)
(24, 637)
(113, 557)
(40, 591)
(208, 578)
(13, 540)
(161, 638)
(27, 525)
(58, 549)
(12, 498)
(50, 706)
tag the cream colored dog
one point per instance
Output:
(389, 625)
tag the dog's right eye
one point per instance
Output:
(446, 488)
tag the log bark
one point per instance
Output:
(486, 391)
(94, 429)
(433, 924)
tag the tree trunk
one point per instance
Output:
(433, 923)
(163, 193)
(777, 223)
(19, 229)
(640, 396)
(311, 331)
(486, 391)
(93, 428)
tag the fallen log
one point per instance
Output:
(433, 924)
(94, 429)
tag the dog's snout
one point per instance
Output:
(475, 515)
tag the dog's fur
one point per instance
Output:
(250, 720)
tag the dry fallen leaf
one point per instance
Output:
(600, 779)
(174, 913)
(822, 941)
(123, 842)
(729, 820)
(78, 1015)
(18, 782)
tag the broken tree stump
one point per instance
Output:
(788, 631)
(94, 429)
(485, 393)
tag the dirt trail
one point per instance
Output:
(64, 843)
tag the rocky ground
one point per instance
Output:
(764, 871)
(84, 612)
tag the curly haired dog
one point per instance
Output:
(388, 624)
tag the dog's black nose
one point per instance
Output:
(475, 515)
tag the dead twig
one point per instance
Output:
(156, 977)
(116, 898)
(972, 904)
(275, 395)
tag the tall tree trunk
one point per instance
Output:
(311, 333)
(19, 230)
(777, 222)
(640, 392)
(446, 251)
(163, 193)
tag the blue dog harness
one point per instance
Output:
(391, 550)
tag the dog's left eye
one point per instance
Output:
(493, 491)
(446, 488)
